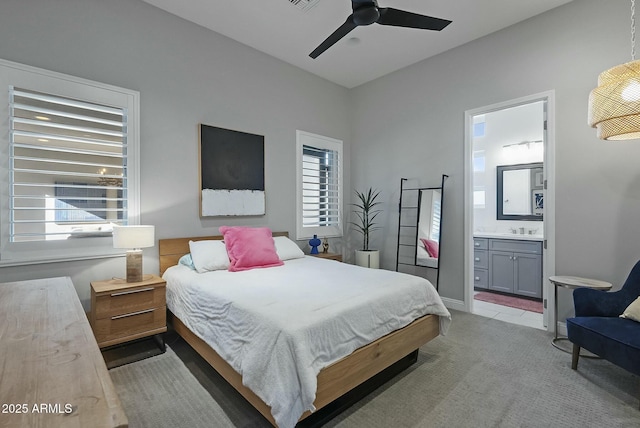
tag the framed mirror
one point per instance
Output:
(429, 227)
(520, 193)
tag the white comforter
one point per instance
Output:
(278, 327)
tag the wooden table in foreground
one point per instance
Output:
(52, 371)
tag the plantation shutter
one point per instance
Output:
(68, 167)
(435, 219)
(320, 187)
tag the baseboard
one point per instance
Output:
(457, 305)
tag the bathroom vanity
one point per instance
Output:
(509, 263)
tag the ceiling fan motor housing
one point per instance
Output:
(365, 13)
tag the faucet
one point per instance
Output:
(522, 231)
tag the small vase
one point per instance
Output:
(314, 243)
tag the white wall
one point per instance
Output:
(411, 124)
(504, 127)
(407, 124)
(186, 75)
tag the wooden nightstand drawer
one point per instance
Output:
(127, 301)
(129, 326)
(122, 311)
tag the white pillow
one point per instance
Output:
(286, 248)
(209, 255)
(633, 311)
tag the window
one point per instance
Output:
(479, 197)
(67, 166)
(435, 216)
(479, 161)
(72, 165)
(319, 186)
(479, 165)
(479, 126)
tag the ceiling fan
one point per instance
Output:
(366, 12)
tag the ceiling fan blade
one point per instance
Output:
(342, 31)
(401, 18)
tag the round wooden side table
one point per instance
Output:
(572, 282)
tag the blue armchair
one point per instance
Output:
(598, 328)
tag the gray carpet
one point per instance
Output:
(484, 373)
(161, 392)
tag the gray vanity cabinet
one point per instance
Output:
(502, 271)
(509, 266)
(528, 275)
(516, 267)
(480, 263)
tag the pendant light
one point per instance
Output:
(614, 106)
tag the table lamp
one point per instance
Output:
(133, 238)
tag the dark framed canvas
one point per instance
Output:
(231, 173)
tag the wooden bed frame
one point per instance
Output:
(333, 381)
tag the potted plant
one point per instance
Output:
(366, 212)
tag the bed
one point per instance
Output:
(423, 258)
(335, 369)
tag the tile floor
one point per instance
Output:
(508, 314)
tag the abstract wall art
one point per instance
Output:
(538, 201)
(231, 173)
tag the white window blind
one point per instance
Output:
(320, 197)
(70, 165)
(68, 174)
(435, 217)
(319, 186)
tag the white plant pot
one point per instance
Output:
(370, 258)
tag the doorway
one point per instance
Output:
(510, 236)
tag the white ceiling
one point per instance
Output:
(289, 33)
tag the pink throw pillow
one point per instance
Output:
(250, 247)
(431, 246)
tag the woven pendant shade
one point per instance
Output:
(614, 106)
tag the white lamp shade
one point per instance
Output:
(133, 236)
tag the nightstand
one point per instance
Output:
(330, 256)
(123, 311)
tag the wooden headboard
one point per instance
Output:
(173, 248)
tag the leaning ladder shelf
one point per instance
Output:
(408, 218)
